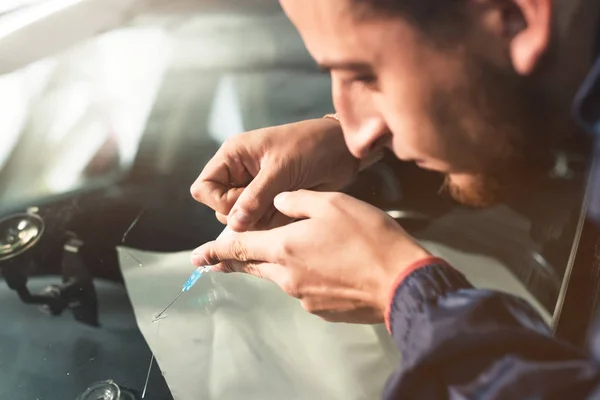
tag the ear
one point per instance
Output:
(528, 25)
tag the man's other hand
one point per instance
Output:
(250, 169)
(340, 258)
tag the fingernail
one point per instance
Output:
(280, 199)
(198, 261)
(241, 218)
(196, 258)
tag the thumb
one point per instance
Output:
(256, 199)
(302, 204)
(251, 253)
(243, 247)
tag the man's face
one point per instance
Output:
(457, 108)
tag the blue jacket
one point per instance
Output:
(461, 343)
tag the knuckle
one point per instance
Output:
(307, 306)
(335, 199)
(227, 266)
(228, 144)
(283, 252)
(221, 218)
(311, 307)
(278, 162)
(251, 202)
(211, 256)
(232, 145)
(252, 269)
(291, 289)
(238, 251)
(329, 317)
(386, 222)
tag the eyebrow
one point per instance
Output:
(348, 66)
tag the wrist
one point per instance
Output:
(400, 262)
(426, 259)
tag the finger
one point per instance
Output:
(257, 269)
(222, 218)
(275, 220)
(229, 267)
(339, 311)
(304, 204)
(263, 224)
(272, 272)
(220, 184)
(249, 246)
(216, 195)
(256, 199)
(272, 219)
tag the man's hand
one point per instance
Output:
(340, 258)
(242, 179)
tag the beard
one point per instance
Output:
(476, 191)
(496, 103)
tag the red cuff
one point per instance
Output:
(403, 275)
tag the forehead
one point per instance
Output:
(334, 32)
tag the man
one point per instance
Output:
(479, 90)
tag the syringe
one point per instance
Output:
(191, 281)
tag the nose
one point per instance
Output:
(369, 137)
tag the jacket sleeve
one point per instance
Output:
(461, 343)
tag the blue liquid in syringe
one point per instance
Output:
(194, 278)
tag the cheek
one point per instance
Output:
(416, 136)
(411, 110)
(406, 113)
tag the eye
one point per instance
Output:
(369, 80)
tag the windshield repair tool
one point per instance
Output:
(192, 279)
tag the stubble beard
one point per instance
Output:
(502, 104)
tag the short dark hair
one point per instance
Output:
(430, 14)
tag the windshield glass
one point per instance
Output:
(101, 142)
(79, 117)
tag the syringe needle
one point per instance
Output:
(169, 306)
(197, 274)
